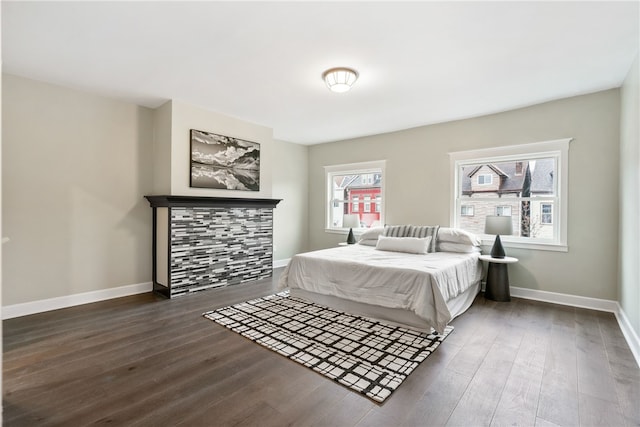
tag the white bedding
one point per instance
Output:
(418, 283)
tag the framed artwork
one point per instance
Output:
(223, 162)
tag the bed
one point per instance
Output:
(416, 290)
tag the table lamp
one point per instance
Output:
(352, 221)
(498, 225)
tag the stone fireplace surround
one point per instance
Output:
(201, 243)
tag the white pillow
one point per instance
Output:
(457, 235)
(372, 234)
(457, 247)
(368, 242)
(412, 245)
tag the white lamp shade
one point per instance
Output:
(351, 221)
(340, 79)
(498, 225)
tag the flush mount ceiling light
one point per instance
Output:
(340, 79)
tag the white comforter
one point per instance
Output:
(418, 283)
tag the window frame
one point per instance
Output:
(501, 208)
(558, 149)
(355, 203)
(484, 179)
(366, 202)
(469, 208)
(361, 168)
(543, 213)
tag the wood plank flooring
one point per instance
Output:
(147, 361)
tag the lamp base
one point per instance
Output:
(351, 238)
(497, 251)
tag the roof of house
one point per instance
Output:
(355, 181)
(510, 182)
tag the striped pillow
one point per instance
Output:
(396, 230)
(425, 231)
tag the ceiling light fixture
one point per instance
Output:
(340, 79)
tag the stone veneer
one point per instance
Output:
(210, 243)
(212, 247)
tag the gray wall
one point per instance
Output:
(629, 289)
(76, 167)
(185, 117)
(418, 188)
(291, 184)
(162, 149)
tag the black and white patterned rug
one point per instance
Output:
(365, 355)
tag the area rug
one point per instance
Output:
(370, 357)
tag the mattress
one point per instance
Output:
(417, 283)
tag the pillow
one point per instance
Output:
(372, 234)
(368, 242)
(425, 231)
(457, 235)
(412, 245)
(396, 230)
(457, 247)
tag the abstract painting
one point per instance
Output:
(223, 162)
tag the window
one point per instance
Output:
(352, 188)
(546, 213)
(466, 210)
(532, 189)
(503, 210)
(485, 179)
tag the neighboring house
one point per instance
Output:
(362, 196)
(509, 182)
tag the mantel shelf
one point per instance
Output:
(200, 201)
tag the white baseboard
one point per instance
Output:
(281, 263)
(585, 302)
(629, 334)
(24, 309)
(566, 299)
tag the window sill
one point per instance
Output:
(356, 231)
(553, 247)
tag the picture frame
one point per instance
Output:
(224, 162)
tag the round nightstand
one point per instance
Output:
(497, 288)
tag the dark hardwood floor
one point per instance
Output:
(147, 361)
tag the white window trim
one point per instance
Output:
(485, 175)
(558, 148)
(542, 213)
(366, 208)
(355, 203)
(502, 208)
(470, 207)
(356, 168)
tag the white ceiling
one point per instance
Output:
(419, 62)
